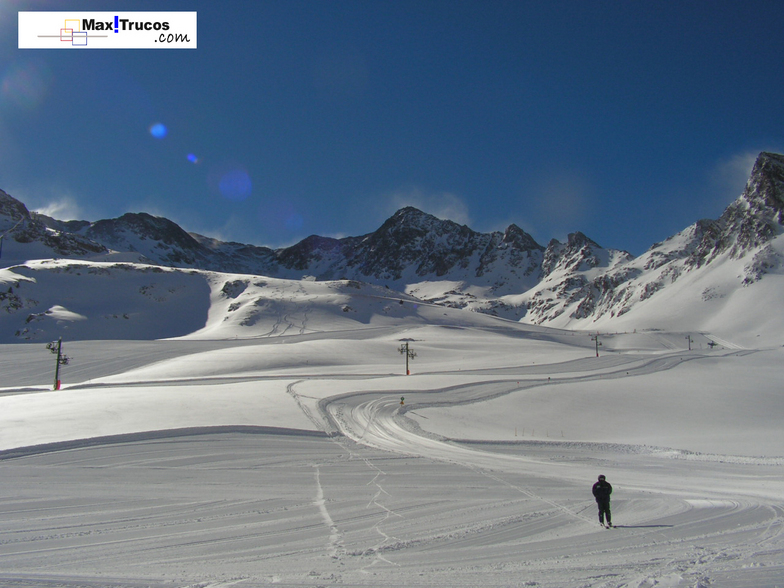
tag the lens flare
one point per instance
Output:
(192, 158)
(235, 185)
(294, 222)
(159, 130)
(25, 85)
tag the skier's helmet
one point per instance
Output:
(601, 477)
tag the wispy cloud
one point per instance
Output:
(561, 202)
(732, 173)
(63, 208)
(564, 200)
(54, 199)
(727, 178)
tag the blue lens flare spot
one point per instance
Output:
(294, 222)
(24, 86)
(192, 158)
(235, 185)
(159, 130)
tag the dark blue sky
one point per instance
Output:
(625, 120)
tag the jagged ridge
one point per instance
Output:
(504, 273)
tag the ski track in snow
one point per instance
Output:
(334, 535)
(385, 504)
(378, 420)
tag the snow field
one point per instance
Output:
(708, 301)
(79, 413)
(272, 449)
(672, 408)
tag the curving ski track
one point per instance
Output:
(382, 503)
(656, 520)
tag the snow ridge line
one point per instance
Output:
(19, 452)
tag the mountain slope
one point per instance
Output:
(709, 274)
(27, 236)
(577, 284)
(82, 300)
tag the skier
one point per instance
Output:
(601, 491)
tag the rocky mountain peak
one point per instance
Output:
(302, 254)
(57, 242)
(518, 238)
(752, 220)
(410, 215)
(411, 237)
(503, 272)
(409, 220)
(144, 226)
(13, 209)
(765, 189)
(578, 240)
(578, 252)
(157, 238)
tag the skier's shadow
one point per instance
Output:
(644, 526)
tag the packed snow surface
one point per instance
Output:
(273, 439)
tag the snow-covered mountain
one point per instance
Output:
(703, 275)
(708, 272)
(155, 240)
(412, 247)
(88, 300)
(23, 232)
(332, 467)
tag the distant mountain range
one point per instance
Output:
(711, 266)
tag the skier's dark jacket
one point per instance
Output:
(601, 491)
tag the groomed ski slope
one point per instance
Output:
(271, 447)
(222, 469)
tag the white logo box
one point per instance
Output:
(107, 30)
